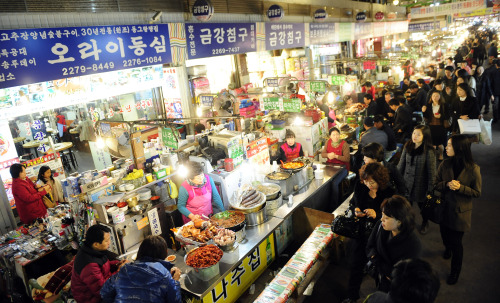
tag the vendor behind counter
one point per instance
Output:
(198, 195)
(291, 149)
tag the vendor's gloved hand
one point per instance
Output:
(176, 273)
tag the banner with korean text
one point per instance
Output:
(284, 35)
(447, 9)
(35, 55)
(219, 39)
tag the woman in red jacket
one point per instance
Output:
(28, 196)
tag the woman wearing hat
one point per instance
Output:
(290, 149)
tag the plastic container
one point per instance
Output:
(319, 174)
(228, 164)
(118, 217)
(278, 124)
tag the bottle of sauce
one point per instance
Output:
(228, 164)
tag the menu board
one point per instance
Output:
(317, 86)
(292, 105)
(284, 35)
(270, 104)
(337, 79)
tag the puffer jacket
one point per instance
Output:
(146, 281)
(91, 269)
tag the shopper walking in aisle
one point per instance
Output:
(437, 115)
(464, 107)
(368, 196)
(494, 75)
(374, 153)
(392, 239)
(483, 90)
(459, 180)
(418, 168)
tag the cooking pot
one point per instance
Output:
(283, 179)
(293, 170)
(257, 218)
(271, 190)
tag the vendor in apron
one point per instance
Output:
(336, 151)
(290, 149)
(198, 195)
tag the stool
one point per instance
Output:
(26, 157)
(65, 161)
(72, 157)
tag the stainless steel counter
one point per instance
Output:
(254, 236)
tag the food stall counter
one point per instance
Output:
(255, 253)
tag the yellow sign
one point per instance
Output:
(242, 276)
(142, 223)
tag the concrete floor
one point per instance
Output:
(478, 280)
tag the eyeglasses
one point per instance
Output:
(372, 182)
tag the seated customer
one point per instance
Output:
(379, 123)
(372, 134)
(149, 279)
(413, 281)
(402, 120)
(92, 266)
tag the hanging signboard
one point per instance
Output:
(292, 105)
(284, 35)
(317, 86)
(363, 30)
(448, 8)
(219, 39)
(423, 26)
(207, 100)
(320, 15)
(383, 62)
(345, 31)
(337, 79)
(275, 12)
(379, 16)
(271, 104)
(321, 33)
(168, 137)
(36, 55)
(203, 10)
(392, 16)
(369, 65)
(361, 17)
(272, 82)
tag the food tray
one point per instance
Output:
(187, 241)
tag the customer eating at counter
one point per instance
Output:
(290, 150)
(198, 195)
(27, 195)
(336, 151)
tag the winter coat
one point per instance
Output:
(458, 203)
(469, 107)
(386, 250)
(146, 281)
(91, 269)
(419, 173)
(379, 297)
(29, 203)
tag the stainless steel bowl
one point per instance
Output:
(272, 190)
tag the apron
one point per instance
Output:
(331, 114)
(291, 153)
(338, 151)
(200, 199)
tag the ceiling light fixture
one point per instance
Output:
(395, 2)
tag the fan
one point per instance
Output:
(223, 104)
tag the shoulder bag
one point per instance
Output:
(434, 207)
(48, 202)
(348, 225)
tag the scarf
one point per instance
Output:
(415, 152)
(197, 185)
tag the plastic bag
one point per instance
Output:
(485, 137)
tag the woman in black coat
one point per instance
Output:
(459, 180)
(437, 116)
(368, 195)
(392, 239)
(464, 106)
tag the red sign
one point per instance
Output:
(369, 65)
(379, 16)
(256, 147)
(391, 16)
(40, 160)
(8, 163)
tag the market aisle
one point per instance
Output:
(479, 278)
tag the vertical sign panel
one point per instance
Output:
(321, 33)
(284, 35)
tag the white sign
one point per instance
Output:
(154, 222)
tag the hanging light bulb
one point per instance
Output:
(199, 112)
(395, 2)
(99, 143)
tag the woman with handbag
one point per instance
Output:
(437, 116)
(368, 195)
(458, 180)
(27, 195)
(418, 168)
(393, 239)
(464, 106)
(45, 177)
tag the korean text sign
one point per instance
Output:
(284, 35)
(169, 138)
(36, 55)
(321, 33)
(219, 39)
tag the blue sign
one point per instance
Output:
(275, 12)
(207, 100)
(361, 17)
(219, 39)
(272, 82)
(321, 33)
(284, 35)
(422, 27)
(35, 55)
(320, 15)
(203, 10)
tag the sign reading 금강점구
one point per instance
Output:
(35, 55)
(284, 35)
(219, 39)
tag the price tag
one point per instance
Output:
(319, 86)
(155, 222)
(272, 82)
(271, 103)
(169, 139)
(369, 65)
(142, 223)
(207, 100)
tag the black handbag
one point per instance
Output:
(434, 208)
(348, 225)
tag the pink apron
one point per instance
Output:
(200, 199)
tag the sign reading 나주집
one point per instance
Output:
(321, 33)
(219, 39)
(284, 35)
(36, 55)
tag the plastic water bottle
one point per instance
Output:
(290, 201)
